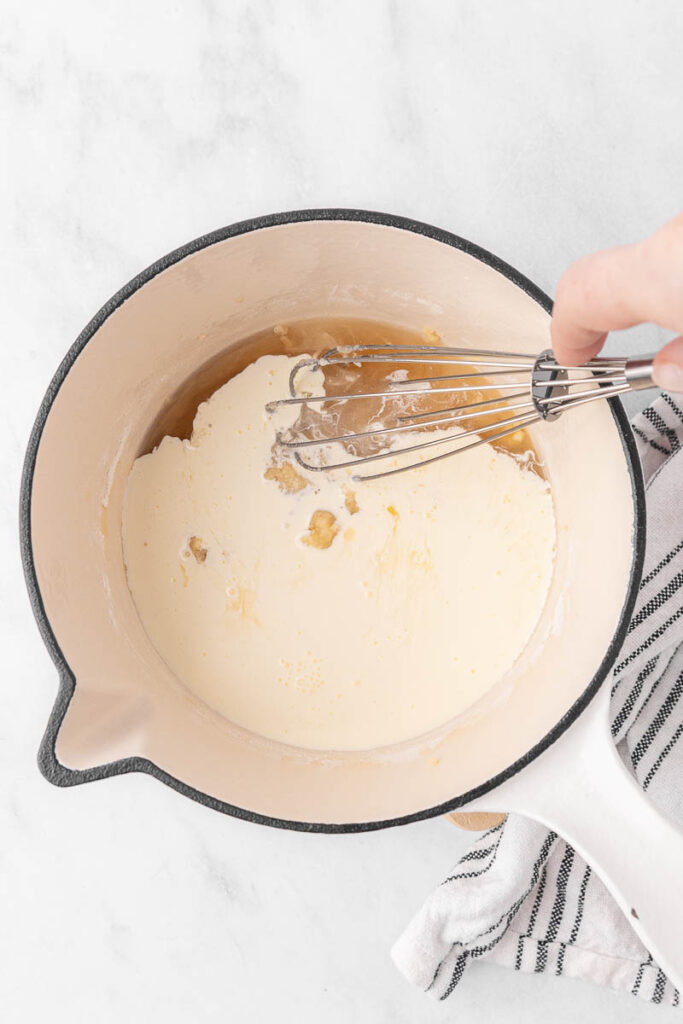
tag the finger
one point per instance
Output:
(668, 366)
(618, 288)
(597, 294)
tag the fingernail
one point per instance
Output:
(668, 376)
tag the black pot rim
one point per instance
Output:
(60, 775)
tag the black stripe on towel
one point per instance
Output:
(534, 910)
(653, 417)
(672, 405)
(582, 903)
(650, 640)
(460, 965)
(661, 565)
(505, 917)
(656, 602)
(557, 912)
(630, 702)
(475, 874)
(645, 741)
(641, 971)
(577, 920)
(478, 854)
(537, 902)
(663, 754)
(648, 440)
(653, 691)
(639, 978)
(520, 953)
(659, 987)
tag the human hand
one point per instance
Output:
(621, 287)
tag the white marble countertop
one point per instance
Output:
(540, 130)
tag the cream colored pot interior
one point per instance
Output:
(126, 701)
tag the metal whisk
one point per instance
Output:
(526, 388)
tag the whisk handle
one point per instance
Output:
(638, 373)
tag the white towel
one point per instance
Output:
(521, 896)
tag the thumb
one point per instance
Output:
(668, 366)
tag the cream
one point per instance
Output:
(324, 613)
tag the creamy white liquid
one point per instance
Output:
(422, 602)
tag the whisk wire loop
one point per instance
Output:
(527, 389)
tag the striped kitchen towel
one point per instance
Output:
(521, 896)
